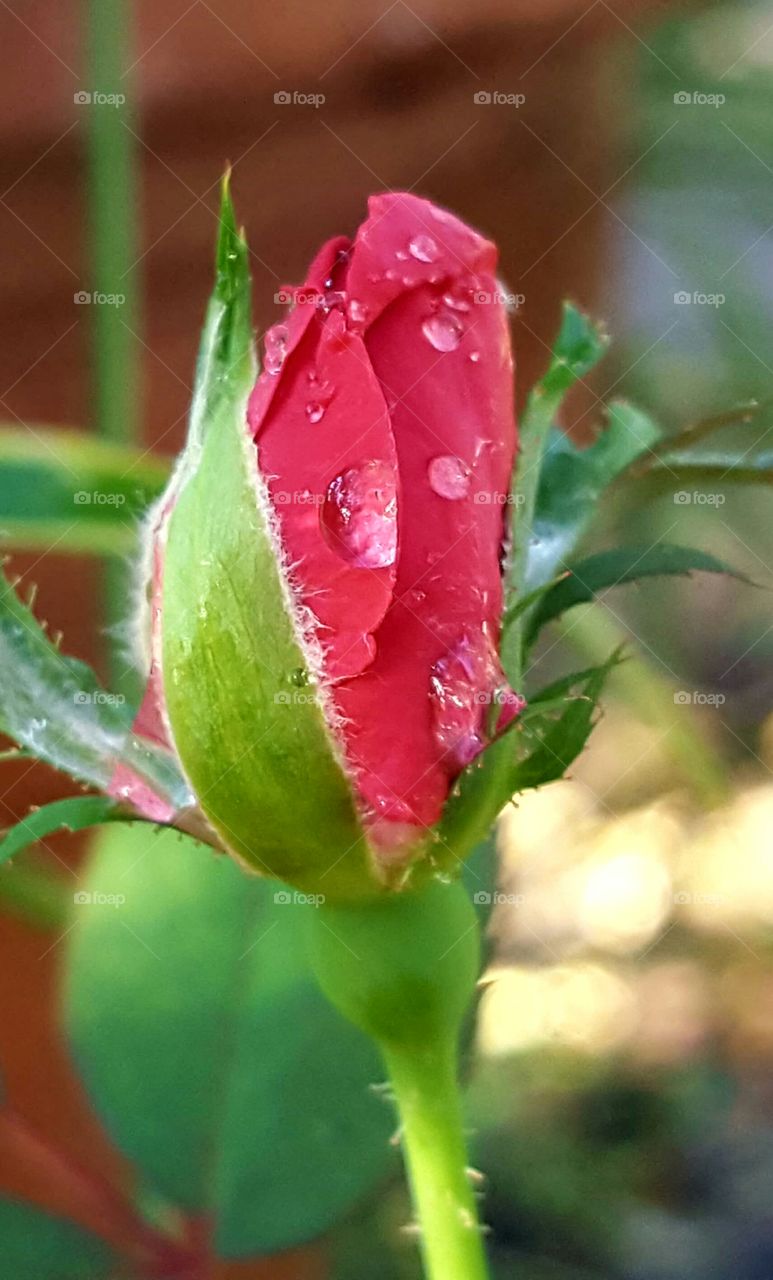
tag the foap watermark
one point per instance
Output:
(696, 98)
(497, 98)
(98, 498)
(86, 298)
(684, 498)
(294, 698)
(296, 98)
(499, 297)
(500, 697)
(297, 498)
(486, 498)
(696, 698)
(95, 98)
(98, 698)
(482, 898)
(683, 298)
(291, 897)
(286, 297)
(685, 899)
(96, 899)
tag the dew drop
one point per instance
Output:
(475, 356)
(449, 477)
(315, 411)
(442, 331)
(465, 685)
(359, 515)
(357, 312)
(456, 301)
(423, 249)
(275, 348)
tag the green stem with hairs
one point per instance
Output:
(403, 968)
(427, 1093)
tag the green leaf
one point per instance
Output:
(247, 724)
(54, 707)
(75, 814)
(36, 1246)
(579, 346)
(571, 482)
(536, 748)
(69, 491)
(614, 568)
(208, 1049)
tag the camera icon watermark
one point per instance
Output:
(298, 497)
(98, 698)
(487, 498)
(291, 897)
(294, 698)
(496, 98)
(697, 698)
(497, 899)
(684, 498)
(684, 899)
(296, 98)
(84, 899)
(512, 301)
(86, 98)
(695, 98)
(85, 298)
(98, 498)
(683, 298)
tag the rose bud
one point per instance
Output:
(331, 591)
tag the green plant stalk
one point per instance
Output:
(112, 218)
(432, 1135)
(403, 968)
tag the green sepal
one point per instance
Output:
(246, 715)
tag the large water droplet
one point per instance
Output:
(449, 477)
(442, 331)
(423, 249)
(275, 348)
(359, 515)
(466, 684)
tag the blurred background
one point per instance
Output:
(621, 154)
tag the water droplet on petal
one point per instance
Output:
(359, 515)
(357, 312)
(275, 348)
(423, 249)
(442, 331)
(449, 477)
(475, 356)
(315, 411)
(465, 683)
(456, 301)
